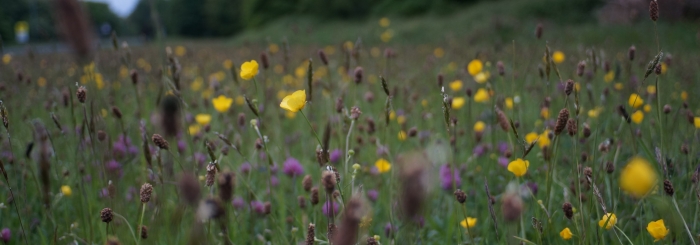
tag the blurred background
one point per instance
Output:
(32, 21)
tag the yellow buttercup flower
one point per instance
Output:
(664, 68)
(482, 77)
(240, 100)
(518, 167)
(203, 119)
(635, 101)
(66, 191)
(544, 113)
(273, 48)
(638, 177)
(386, 36)
(41, 82)
(637, 117)
(222, 103)
(657, 229)
(384, 22)
(197, 84)
(696, 122)
(509, 103)
(531, 137)
(249, 69)
(479, 126)
(227, 64)
(619, 86)
(558, 57)
(684, 96)
(544, 141)
(194, 129)
(647, 108)
(295, 101)
(382, 165)
(651, 89)
(439, 52)
(6, 59)
(402, 135)
(458, 102)
(474, 67)
(481, 95)
(180, 51)
(609, 77)
(290, 115)
(456, 85)
(566, 233)
(469, 222)
(608, 221)
(401, 119)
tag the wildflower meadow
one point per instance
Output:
(548, 136)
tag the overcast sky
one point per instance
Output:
(121, 7)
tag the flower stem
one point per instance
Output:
(143, 211)
(347, 145)
(312, 128)
(690, 234)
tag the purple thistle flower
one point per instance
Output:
(274, 181)
(104, 193)
(87, 178)
(326, 208)
(503, 147)
(336, 155)
(181, 146)
(479, 150)
(200, 158)
(245, 168)
(5, 235)
(372, 195)
(130, 193)
(122, 147)
(113, 167)
(533, 188)
(292, 167)
(258, 207)
(238, 203)
(389, 230)
(503, 161)
(448, 176)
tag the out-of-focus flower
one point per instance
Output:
(292, 167)
(384, 22)
(327, 208)
(6, 58)
(335, 155)
(518, 167)
(474, 67)
(66, 190)
(481, 95)
(609, 77)
(509, 103)
(482, 77)
(637, 117)
(635, 101)
(382, 165)
(203, 119)
(469, 222)
(479, 126)
(5, 235)
(558, 57)
(566, 233)
(456, 85)
(458, 102)
(372, 195)
(222, 103)
(638, 177)
(402, 135)
(448, 177)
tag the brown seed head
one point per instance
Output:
(568, 210)
(689, 116)
(412, 132)
(101, 135)
(160, 142)
(264, 61)
(106, 215)
(502, 120)
(571, 127)
(323, 57)
(460, 196)
(440, 80)
(267, 208)
(581, 68)
(630, 52)
(302, 202)
(211, 175)
(586, 130)
(328, 181)
(588, 172)
(189, 188)
(685, 149)
(654, 10)
(116, 112)
(146, 191)
(372, 241)
(657, 70)
(314, 196)
(134, 76)
(311, 231)
(358, 75)
(538, 31)
(609, 167)
(667, 109)
(668, 187)
(355, 113)
(81, 94)
(569, 87)
(501, 68)
(511, 206)
(561, 121)
(307, 183)
(339, 105)
(226, 185)
(144, 232)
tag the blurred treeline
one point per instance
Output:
(217, 18)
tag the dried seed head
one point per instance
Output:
(440, 80)
(314, 196)
(412, 132)
(667, 109)
(502, 120)
(323, 57)
(609, 167)
(267, 208)
(350, 222)
(144, 232)
(561, 121)
(106, 215)
(623, 113)
(355, 113)
(460, 196)
(630, 52)
(134, 76)
(588, 172)
(372, 241)
(668, 187)
(146, 191)
(116, 112)
(569, 87)
(307, 183)
(241, 119)
(264, 61)
(689, 116)
(226, 182)
(654, 10)
(101, 135)
(572, 127)
(211, 208)
(586, 130)
(469, 92)
(331, 231)
(211, 175)
(657, 70)
(189, 188)
(358, 75)
(159, 141)
(311, 231)
(339, 105)
(685, 149)
(328, 180)
(511, 206)
(81, 94)
(568, 210)
(302, 202)
(538, 31)
(501, 68)
(371, 126)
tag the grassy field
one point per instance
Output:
(433, 130)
